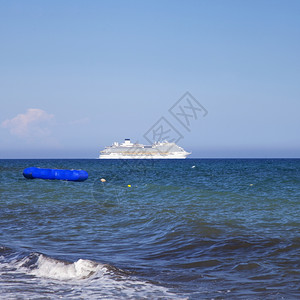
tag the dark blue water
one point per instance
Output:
(182, 229)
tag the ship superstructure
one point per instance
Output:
(128, 150)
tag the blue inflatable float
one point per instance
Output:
(70, 175)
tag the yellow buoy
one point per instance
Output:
(103, 180)
(129, 185)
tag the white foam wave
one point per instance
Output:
(51, 268)
(47, 267)
(85, 278)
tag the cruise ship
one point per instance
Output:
(128, 150)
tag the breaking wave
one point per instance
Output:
(47, 267)
(82, 278)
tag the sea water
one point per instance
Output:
(162, 229)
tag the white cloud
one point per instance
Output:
(35, 123)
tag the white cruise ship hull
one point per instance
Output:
(118, 156)
(128, 150)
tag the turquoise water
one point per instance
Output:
(184, 229)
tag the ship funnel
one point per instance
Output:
(127, 142)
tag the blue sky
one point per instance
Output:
(76, 76)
